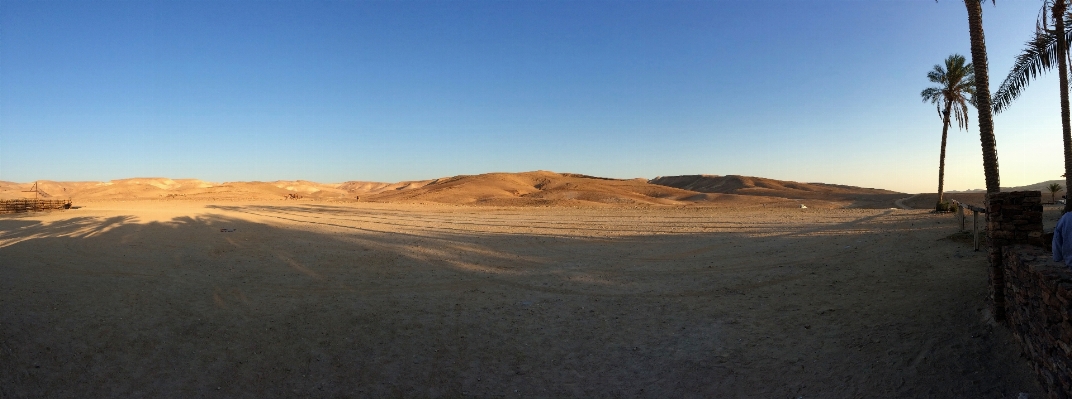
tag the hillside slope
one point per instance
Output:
(164, 188)
(550, 188)
(758, 186)
(538, 188)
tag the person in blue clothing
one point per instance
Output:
(1062, 240)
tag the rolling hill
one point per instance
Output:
(538, 188)
(763, 187)
(550, 188)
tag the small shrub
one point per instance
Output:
(945, 206)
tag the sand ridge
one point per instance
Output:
(758, 186)
(551, 189)
(537, 188)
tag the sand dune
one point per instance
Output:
(550, 188)
(164, 188)
(539, 188)
(850, 196)
(365, 187)
(749, 185)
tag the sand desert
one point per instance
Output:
(536, 188)
(534, 199)
(489, 286)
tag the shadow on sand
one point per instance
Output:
(111, 307)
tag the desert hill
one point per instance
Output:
(1040, 186)
(164, 188)
(734, 184)
(758, 186)
(550, 188)
(510, 189)
(366, 187)
(978, 197)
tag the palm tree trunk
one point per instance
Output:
(982, 95)
(1059, 7)
(941, 158)
(990, 153)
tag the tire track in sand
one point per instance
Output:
(900, 202)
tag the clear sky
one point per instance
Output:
(814, 91)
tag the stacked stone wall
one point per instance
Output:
(1014, 218)
(1038, 309)
(1029, 291)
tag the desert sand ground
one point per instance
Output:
(312, 299)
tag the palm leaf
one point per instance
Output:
(1039, 56)
(956, 88)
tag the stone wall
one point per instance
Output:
(1028, 290)
(1013, 217)
(1038, 309)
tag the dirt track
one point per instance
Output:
(151, 299)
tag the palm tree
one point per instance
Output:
(956, 88)
(986, 139)
(1049, 46)
(1054, 188)
(982, 96)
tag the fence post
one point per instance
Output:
(975, 228)
(960, 212)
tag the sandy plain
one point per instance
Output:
(318, 299)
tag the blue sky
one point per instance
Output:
(386, 91)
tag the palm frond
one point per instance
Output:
(1039, 56)
(955, 90)
(931, 94)
(936, 75)
(960, 113)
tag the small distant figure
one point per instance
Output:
(802, 206)
(1062, 240)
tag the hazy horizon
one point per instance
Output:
(397, 91)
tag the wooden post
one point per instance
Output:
(34, 189)
(960, 210)
(975, 228)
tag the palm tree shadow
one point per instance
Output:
(119, 307)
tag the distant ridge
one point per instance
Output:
(537, 188)
(552, 189)
(1040, 186)
(750, 185)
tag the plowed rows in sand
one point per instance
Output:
(372, 300)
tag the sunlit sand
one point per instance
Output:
(159, 298)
